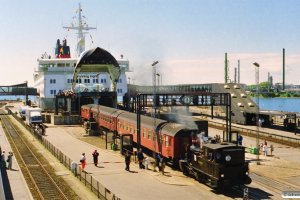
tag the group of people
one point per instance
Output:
(8, 160)
(144, 163)
(265, 149)
(95, 155)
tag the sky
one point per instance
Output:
(188, 38)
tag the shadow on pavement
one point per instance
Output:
(6, 185)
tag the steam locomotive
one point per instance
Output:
(217, 164)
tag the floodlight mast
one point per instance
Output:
(257, 111)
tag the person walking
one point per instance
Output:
(3, 161)
(265, 150)
(95, 157)
(271, 149)
(127, 161)
(74, 168)
(157, 161)
(162, 165)
(9, 160)
(141, 158)
(83, 161)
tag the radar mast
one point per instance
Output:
(80, 27)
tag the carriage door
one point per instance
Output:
(126, 143)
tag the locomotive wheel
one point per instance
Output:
(185, 171)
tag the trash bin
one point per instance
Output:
(253, 150)
(114, 146)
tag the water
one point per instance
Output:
(15, 97)
(280, 104)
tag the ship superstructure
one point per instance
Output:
(55, 73)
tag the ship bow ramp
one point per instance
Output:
(97, 60)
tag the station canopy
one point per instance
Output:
(97, 60)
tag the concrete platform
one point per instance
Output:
(15, 185)
(137, 184)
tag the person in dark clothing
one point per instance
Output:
(127, 160)
(140, 157)
(95, 157)
(157, 160)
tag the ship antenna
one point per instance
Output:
(81, 26)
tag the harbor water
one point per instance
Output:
(280, 104)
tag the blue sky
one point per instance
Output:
(189, 38)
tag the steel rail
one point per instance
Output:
(41, 172)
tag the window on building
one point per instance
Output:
(120, 80)
(95, 80)
(69, 80)
(103, 80)
(86, 80)
(119, 90)
(52, 81)
(53, 92)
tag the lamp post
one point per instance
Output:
(26, 93)
(154, 103)
(158, 75)
(256, 65)
(128, 91)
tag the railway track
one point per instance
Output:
(40, 182)
(274, 186)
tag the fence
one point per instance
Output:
(87, 179)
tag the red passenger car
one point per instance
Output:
(170, 139)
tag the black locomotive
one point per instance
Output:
(219, 165)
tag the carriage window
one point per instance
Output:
(154, 136)
(167, 141)
(149, 135)
(144, 133)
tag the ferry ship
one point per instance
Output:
(54, 74)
